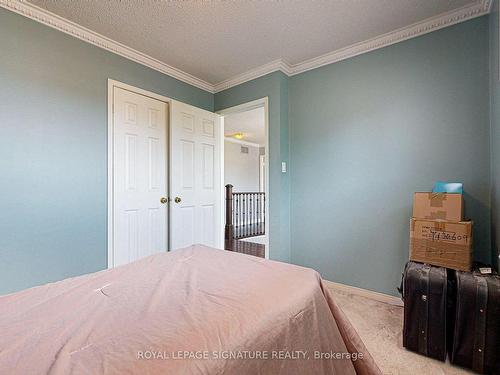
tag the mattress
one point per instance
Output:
(192, 311)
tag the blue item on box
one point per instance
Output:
(448, 187)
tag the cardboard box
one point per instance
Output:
(442, 243)
(442, 206)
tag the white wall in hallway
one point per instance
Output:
(241, 170)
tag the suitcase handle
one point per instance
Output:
(401, 288)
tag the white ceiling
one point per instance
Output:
(215, 40)
(250, 123)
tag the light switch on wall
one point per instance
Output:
(283, 167)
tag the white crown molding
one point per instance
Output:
(260, 71)
(59, 23)
(475, 9)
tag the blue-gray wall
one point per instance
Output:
(53, 149)
(495, 131)
(369, 131)
(360, 136)
(275, 87)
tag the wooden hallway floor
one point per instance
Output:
(246, 247)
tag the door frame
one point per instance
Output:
(262, 166)
(258, 103)
(110, 225)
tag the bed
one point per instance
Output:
(192, 311)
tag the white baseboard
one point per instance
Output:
(380, 297)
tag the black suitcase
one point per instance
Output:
(427, 325)
(476, 343)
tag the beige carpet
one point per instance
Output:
(380, 325)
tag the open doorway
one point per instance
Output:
(245, 177)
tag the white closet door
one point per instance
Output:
(139, 176)
(195, 180)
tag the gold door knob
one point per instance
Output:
(177, 200)
(163, 200)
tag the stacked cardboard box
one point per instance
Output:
(438, 233)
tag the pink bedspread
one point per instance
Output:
(192, 311)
